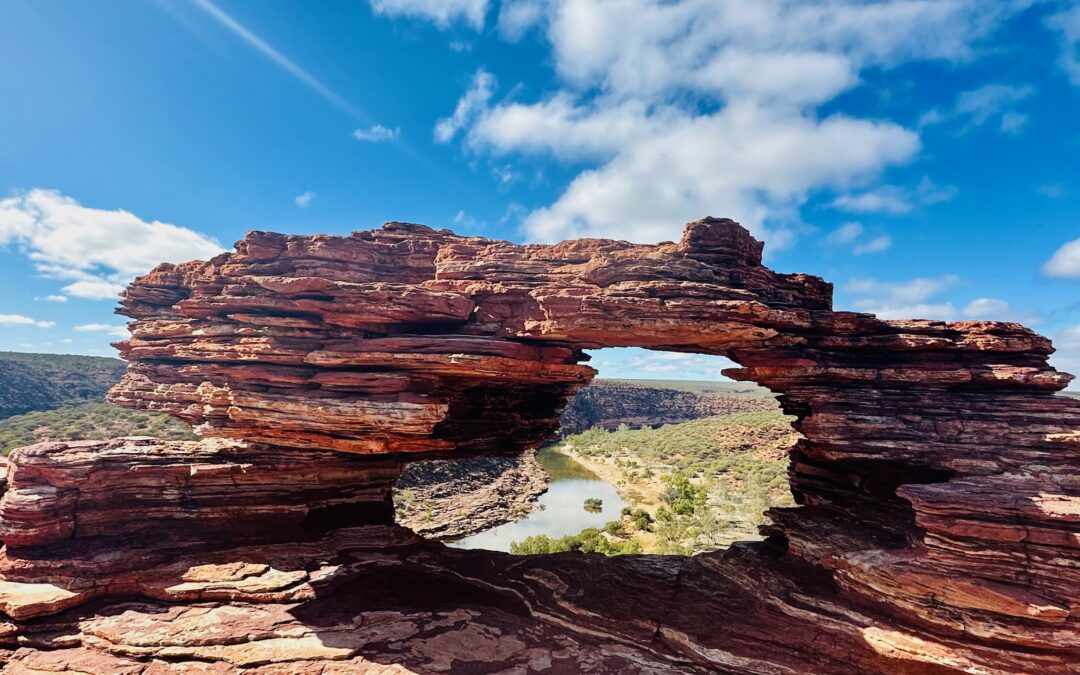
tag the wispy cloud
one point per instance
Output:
(911, 299)
(982, 105)
(441, 12)
(304, 200)
(996, 309)
(850, 234)
(1067, 23)
(20, 320)
(277, 57)
(469, 106)
(1052, 190)
(107, 328)
(893, 199)
(845, 234)
(875, 245)
(377, 133)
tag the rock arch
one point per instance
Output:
(938, 477)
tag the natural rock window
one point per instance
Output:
(937, 481)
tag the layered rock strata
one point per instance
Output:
(938, 475)
(449, 499)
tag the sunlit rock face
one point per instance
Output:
(938, 476)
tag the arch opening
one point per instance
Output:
(661, 453)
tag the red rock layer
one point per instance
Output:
(938, 478)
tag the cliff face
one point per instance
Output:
(938, 476)
(608, 404)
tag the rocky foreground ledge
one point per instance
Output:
(938, 477)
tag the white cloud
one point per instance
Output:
(464, 220)
(53, 298)
(474, 100)
(516, 17)
(1013, 122)
(666, 364)
(1052, 190)
(904, 299)
(795, 50)
(99, 251)
(750, 161)
(845, 234)
(994, 309)
(683, 108)
(20, 320)
(892, 199)
(304, 200)
(1065, 262)
(977, 107)
(875, 245)
(441, 12)
(95, 289)
(886, 199)
(1068, 24)
(377, 134)
(110, 329)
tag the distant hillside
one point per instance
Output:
(88, 421)
(31, 382)
(697, 386)
(609, 403)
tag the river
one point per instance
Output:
(559, 511)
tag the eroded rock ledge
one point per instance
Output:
(938, 477)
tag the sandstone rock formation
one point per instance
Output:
(450, 499)
(938, 478)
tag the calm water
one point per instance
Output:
(561, 513)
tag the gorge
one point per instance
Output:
(937, 475)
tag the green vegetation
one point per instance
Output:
(695, 486)
(594, 505)
(87, 421)
(31, 382)
(589, 540)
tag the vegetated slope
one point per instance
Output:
(87, 421)
(31, 382)
(694, 486)
(609, 403)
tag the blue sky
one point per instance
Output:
(923, 156)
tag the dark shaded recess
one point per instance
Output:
(329, 518)
(866, 487)
(401, 589)
(521, 416)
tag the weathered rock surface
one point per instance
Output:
(938, 477)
